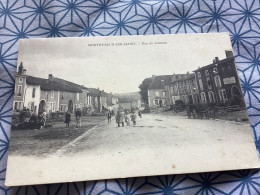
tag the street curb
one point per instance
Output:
(62, 150)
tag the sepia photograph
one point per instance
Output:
(113, 107)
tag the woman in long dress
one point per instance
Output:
(67, 119)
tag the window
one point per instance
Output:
(201, 84)
(217, 81)
(48, 106)
(211, 97)
(206, 73)
(65, 107)
(20, 80)
(215, 70)
(15, 105)
(203, 97)
(222, 95)
(162, 83)
(33, 92)
(163, 94)
(61, 107)
(19, 90)
(209, 83)
(52, 94)
(53, 106)
(19, 105)
(175, 89)
(157, 94)
(32, 105)
(156, 102)
(199, 75)
(62, 96)
(78, 96)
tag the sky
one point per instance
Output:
(120, 63)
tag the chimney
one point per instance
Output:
(216, 58)
(229, 53)
(50, 77)
(20, 69)
(187, 72)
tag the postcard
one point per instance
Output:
(95, 108)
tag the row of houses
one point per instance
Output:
(56, 94)
(216, 83)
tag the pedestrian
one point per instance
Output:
(133, 117)
(140, 114)
(109, 115)
(127, 118)
(44, 117)
(120, 118)
(67, 119)
(78, 117)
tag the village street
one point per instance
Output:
(157, 131)
(160, 144)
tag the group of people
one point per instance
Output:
(78, 115)
(123, 118)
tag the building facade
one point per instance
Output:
(55, 94)
(157, 91)
(218, 83)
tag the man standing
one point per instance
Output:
(109, 115)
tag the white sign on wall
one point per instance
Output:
(229, 80)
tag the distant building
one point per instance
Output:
(157, 92)
(184, 87)
(129, 104)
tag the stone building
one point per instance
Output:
(157, 93)
(218, 82)
(56, 94)
(19, 90)
(184, 87)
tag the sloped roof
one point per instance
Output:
(185, 77)
(68, 83)
(54, 84)
(157, 81)
(94, 91)
(216, 63)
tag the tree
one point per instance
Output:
(144, 86)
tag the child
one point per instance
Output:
(133, 118)
(127, 118)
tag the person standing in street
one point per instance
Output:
(109, 115)
(127, 118)
(78, 117)
(67, 119)
(120, 118)
(139, 114)
(133, 118)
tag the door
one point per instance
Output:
(70, 106)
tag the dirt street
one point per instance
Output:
(160, 144)
(155, 131)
